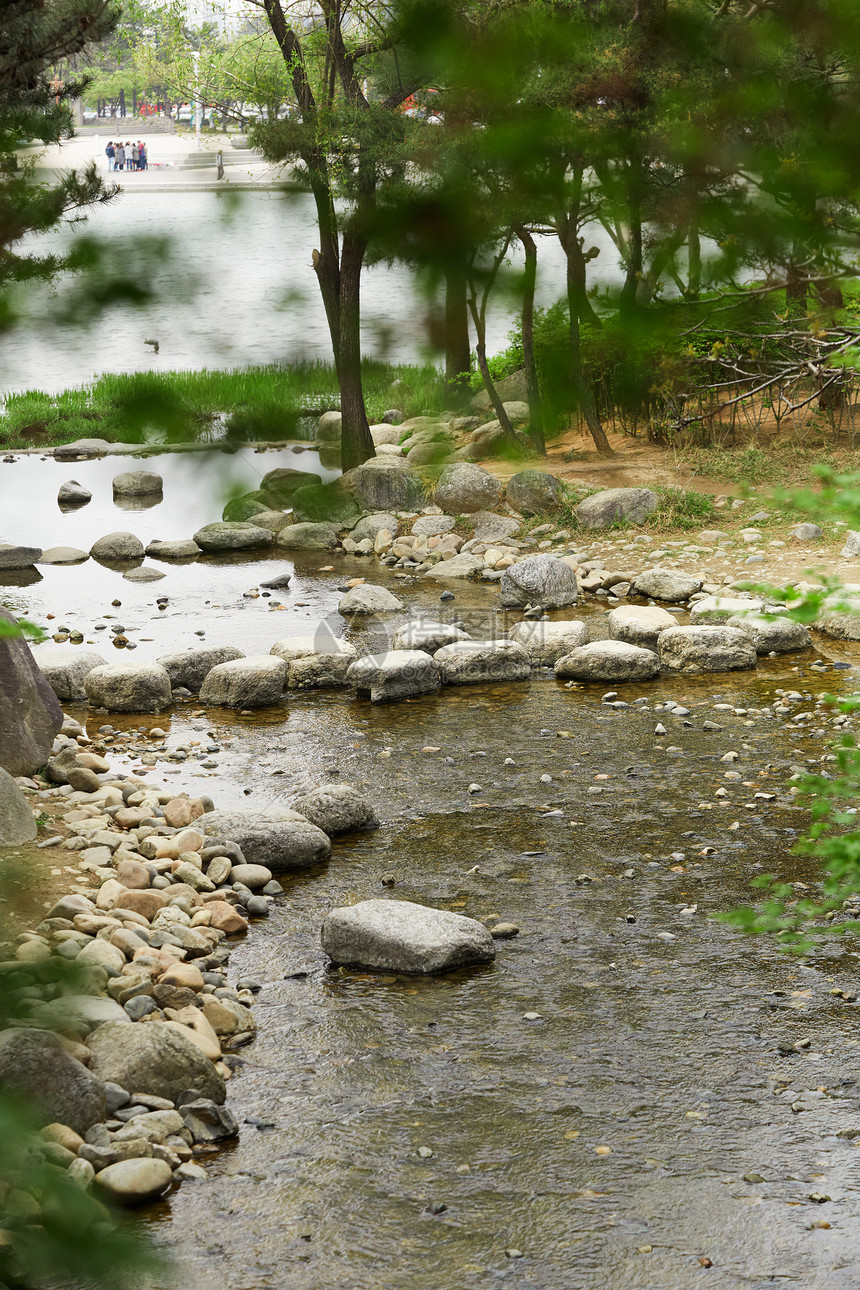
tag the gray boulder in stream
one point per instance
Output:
(471, 662)
(539, 580)
(337, 808)
(18, 557)
(772, 634)
(396, 674)
(255, 682)
(117, 547)
(666, 584)
(137, 483)
(191, 667)
(399, 936)
(608, 661)
(282, 840)
(546, 642)
(30, 715)
(706, 649)
(66, 670)
(221, 536)
(129, 687)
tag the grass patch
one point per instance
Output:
(259, 403)
(680, 509)
(780, 465)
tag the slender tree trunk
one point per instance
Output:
(694, 260)
(356, 443)
(579, 376)
(458, 352)
(479, 318)
(633, 274)
(498, 407)
(529, 362)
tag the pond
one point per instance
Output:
(233, 287)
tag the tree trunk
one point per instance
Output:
(458, 353)
(498, 407)
(579, 377)
(532, 387)
(356, 443)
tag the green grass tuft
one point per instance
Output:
(259, 403)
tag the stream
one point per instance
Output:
(618, 1101)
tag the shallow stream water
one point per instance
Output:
(593, 1111)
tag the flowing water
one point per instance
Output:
(609, 1104)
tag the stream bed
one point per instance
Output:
(618, 1101)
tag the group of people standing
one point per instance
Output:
(126, 156)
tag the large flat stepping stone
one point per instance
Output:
(65, 670)
(255, 682)
(168, 549)
(719, 609)
(471, 662)
(221, 536)
(318, 662)
(539, 580)
(281, 839)
(639, 624)
(137, 483)
(777, 635)
(64, 555)
(459, 566)
(291, 648)
(608, 661)
(190, 667)
(706, 649)
(398, 674)
(427, 636)
(545, 642)
(18, 557)
(129, 687)
(399, 936)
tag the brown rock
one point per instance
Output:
(128, 817)
(224, 918)
(146, 903)
(173, 997)
(92, 761)
(62, 1134)
(110, 893)
(126, 941)
(184, 974)
(133, 874)
(178, 813)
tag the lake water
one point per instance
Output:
(233, 285)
